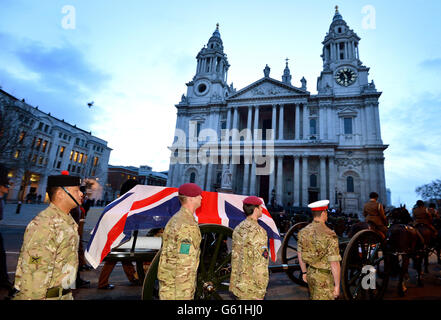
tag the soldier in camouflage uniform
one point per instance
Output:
(249, 259)
(48, 261)
(318, 247)
(179, 260)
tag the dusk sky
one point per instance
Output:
(133, 58)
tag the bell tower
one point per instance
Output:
(210, 81)
(343, 72)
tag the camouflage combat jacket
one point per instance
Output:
(249, 261)
(179, 260)
(318, 245)
(49, 254)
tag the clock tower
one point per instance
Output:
(210, 81)
(343, 72)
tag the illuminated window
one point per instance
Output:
(75, 156)
(71, 155)
(95, 161)
(21, 137)
(40, 160)
(81, 157)
(44, 146)
(16, 154)
(62, 151)
(38, 143)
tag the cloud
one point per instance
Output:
(412, 132)
(58, 79)
(431, 64)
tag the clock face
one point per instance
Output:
(345, 77)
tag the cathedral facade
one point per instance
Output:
(279, 141)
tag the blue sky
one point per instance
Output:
(133, 59)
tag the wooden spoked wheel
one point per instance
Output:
(214, 271)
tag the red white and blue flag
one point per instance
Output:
(146, 207)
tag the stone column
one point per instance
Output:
(305, 180)
(228, 124)
(377, 122)
(281, 116)
(235, 123)
(249, 129)
(211, 167)
(256, 122)
(305, 122)
(274, 122)
(330, 125)
(381, 181)
(296, 201)
(371, 124)
(297, 122)
(322, 178)
(373, 176)
(271, 178)
(332, 181)
(253, 188)
(363, 120)
(321, 123)
(246, 178)
(279, 191)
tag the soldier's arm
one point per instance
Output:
(187, 261)
(37, 260)
(299, 255)
(259, 268)
(334, 259)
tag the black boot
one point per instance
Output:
(80, 283)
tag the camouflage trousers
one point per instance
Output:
(321, 284)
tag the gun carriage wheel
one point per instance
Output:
(290, 255)
(214, 268)
(365, 267)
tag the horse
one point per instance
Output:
(405, 241)
(400, 240)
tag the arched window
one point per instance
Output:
(350, 184)
(193, 177)
(312, 126)
(313, 181)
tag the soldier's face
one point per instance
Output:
(197, 201)
(259, 211)
(76, 193)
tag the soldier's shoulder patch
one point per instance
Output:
(265, 252)
(185, 247)
(34, 260)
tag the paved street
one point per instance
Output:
(280, 287)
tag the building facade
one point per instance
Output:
(322, 146)
(117, 175)
(44, 145)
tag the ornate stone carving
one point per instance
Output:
(349, 163)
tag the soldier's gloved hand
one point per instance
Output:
(336, 292)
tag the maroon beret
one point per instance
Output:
(189, 190)
(253, 200)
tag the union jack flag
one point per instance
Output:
(146, 207)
